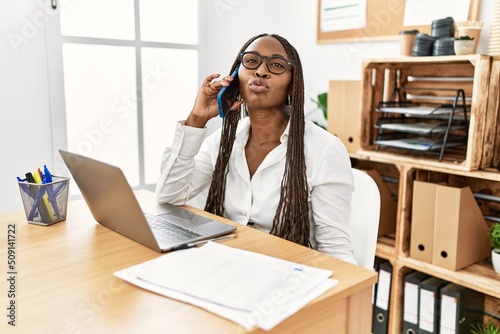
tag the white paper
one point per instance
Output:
(411, 303)
(423, 12)
(426, 310)
(342, 15)
(383, 289)
(448, 314)
(248, 288)
(417, 110)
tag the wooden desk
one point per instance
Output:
(65, 283)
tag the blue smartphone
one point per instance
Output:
(228, 94)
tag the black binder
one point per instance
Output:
(460, 308)
(429, 307)
(376, 267)
(382, 298)
(411, 301)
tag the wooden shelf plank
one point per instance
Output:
(427, 164)
(479, 277)
(385, 251)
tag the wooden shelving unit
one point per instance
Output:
(429, 80)
(475, 166)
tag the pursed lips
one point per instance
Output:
(258, 86)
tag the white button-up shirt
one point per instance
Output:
(187, 167)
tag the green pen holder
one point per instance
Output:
(45, 204)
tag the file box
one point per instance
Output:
(447, 228)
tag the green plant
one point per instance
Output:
(482, 329)
(321, 102)
(464, 38)
(494, 235)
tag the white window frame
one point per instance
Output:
(56, 76)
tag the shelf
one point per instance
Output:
(386, 248)
(491, 174)
(428, 82)
(400, 134)
(479, 277)
(449, 163)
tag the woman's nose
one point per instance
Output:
(261, 72)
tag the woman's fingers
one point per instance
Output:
(216, 85)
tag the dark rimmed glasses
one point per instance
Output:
(275, 64)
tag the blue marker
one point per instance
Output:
(47, 175)
(24, 186)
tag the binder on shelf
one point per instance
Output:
(429, 308)
(411, 301)
(460, 308)
(381, 306)
(422, 222)
(376, 267)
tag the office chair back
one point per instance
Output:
(365, 216)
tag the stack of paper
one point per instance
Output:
(248, 288)
(417, 110)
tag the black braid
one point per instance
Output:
(291, 221)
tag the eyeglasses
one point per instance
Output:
(275, 64)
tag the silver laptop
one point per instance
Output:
(113, 204)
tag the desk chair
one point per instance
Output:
(365, 216)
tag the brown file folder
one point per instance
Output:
(447, 228)
(460, 231)
(422, 222)
(344, 112)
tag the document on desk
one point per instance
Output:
(248, 288)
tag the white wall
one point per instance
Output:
(24, 97)
(25, 133)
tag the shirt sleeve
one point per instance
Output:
(186, 168)
(331, 202)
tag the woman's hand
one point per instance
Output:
(205, 105)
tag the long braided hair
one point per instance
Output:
(291, 221)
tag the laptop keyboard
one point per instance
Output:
(164, 230)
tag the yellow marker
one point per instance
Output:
(45, 198)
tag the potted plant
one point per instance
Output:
(321, 103)
(494, 236)
(463, 45)
(470, 28)
(482, 329)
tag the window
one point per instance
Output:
(127, 69)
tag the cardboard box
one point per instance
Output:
(422, 221)
(460, 231)
(448, 228)
(344, 112)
